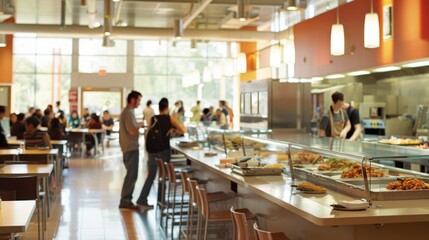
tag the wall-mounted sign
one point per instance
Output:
(73, 96)
(387, 22)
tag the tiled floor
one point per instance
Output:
(86, 207)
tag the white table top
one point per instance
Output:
(15, 216)
(40, 170)
(314, 207)
(85, 130)
(29, 151)
(13, 141)
(58, 142)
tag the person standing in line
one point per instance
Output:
(166, 124)
(129, 142)
(196, 112)
(336, 123)
(356, 127)
(148, 112)
(230, 115)
(222, 106)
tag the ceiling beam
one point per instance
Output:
(195, 13)
(131, 33)
(226, 2)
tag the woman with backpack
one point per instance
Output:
(158, 145)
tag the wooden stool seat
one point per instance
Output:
(265, 235)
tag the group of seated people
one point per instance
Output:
(27, 128)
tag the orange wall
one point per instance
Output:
(6, 58)
(409, 42)
(249, 48)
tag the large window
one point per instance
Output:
(42, 68)
(159, 67)
(93, 56)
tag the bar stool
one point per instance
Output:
(216, 216)
(265, 235)
(172, 197)
(194, 205)
(241, 231)
(161, 188)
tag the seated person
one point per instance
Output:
(56, 130)
(46, 118)
(3, 141)
(107, 122)
(18, 128)
(34, 137)
(94, 123)
(74, 120)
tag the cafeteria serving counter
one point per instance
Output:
(281, 207)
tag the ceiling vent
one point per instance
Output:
(231, 22)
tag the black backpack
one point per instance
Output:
(155, 140)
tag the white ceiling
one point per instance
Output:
(155, 14)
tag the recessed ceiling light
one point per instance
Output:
(358, 73)
(97, 24)
(334, 76)
(416, 64)
(386, 69)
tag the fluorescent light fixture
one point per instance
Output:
(2, 40)
(242, 63)
(386, 69)
(416, 64)
(316, 79)
(337, 40)
(178, 28)
(335, 76)
(97, 24)
(358, 73)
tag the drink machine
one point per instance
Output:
(373, 118)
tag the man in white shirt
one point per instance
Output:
(148, 112)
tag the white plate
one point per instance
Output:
(304, 190)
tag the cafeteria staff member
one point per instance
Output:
(355, 126)
(336, 123)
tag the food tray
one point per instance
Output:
(255, 171)
(187, 144)
(355, 186)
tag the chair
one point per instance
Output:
(162, 175)
(216, 216)
(194, 205)
(265, 235)
(25, 188)
(240, 225)
(172, 197)
(41, 193)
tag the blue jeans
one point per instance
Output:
(165, 155)
(131, 162)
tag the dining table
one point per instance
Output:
(15, 216)
(43, 171)
(93, 132)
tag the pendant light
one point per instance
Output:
(337, 36)
(372, 30)
(107, 27)
(178, 29)
(242, 10)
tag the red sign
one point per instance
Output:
(73, 95)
